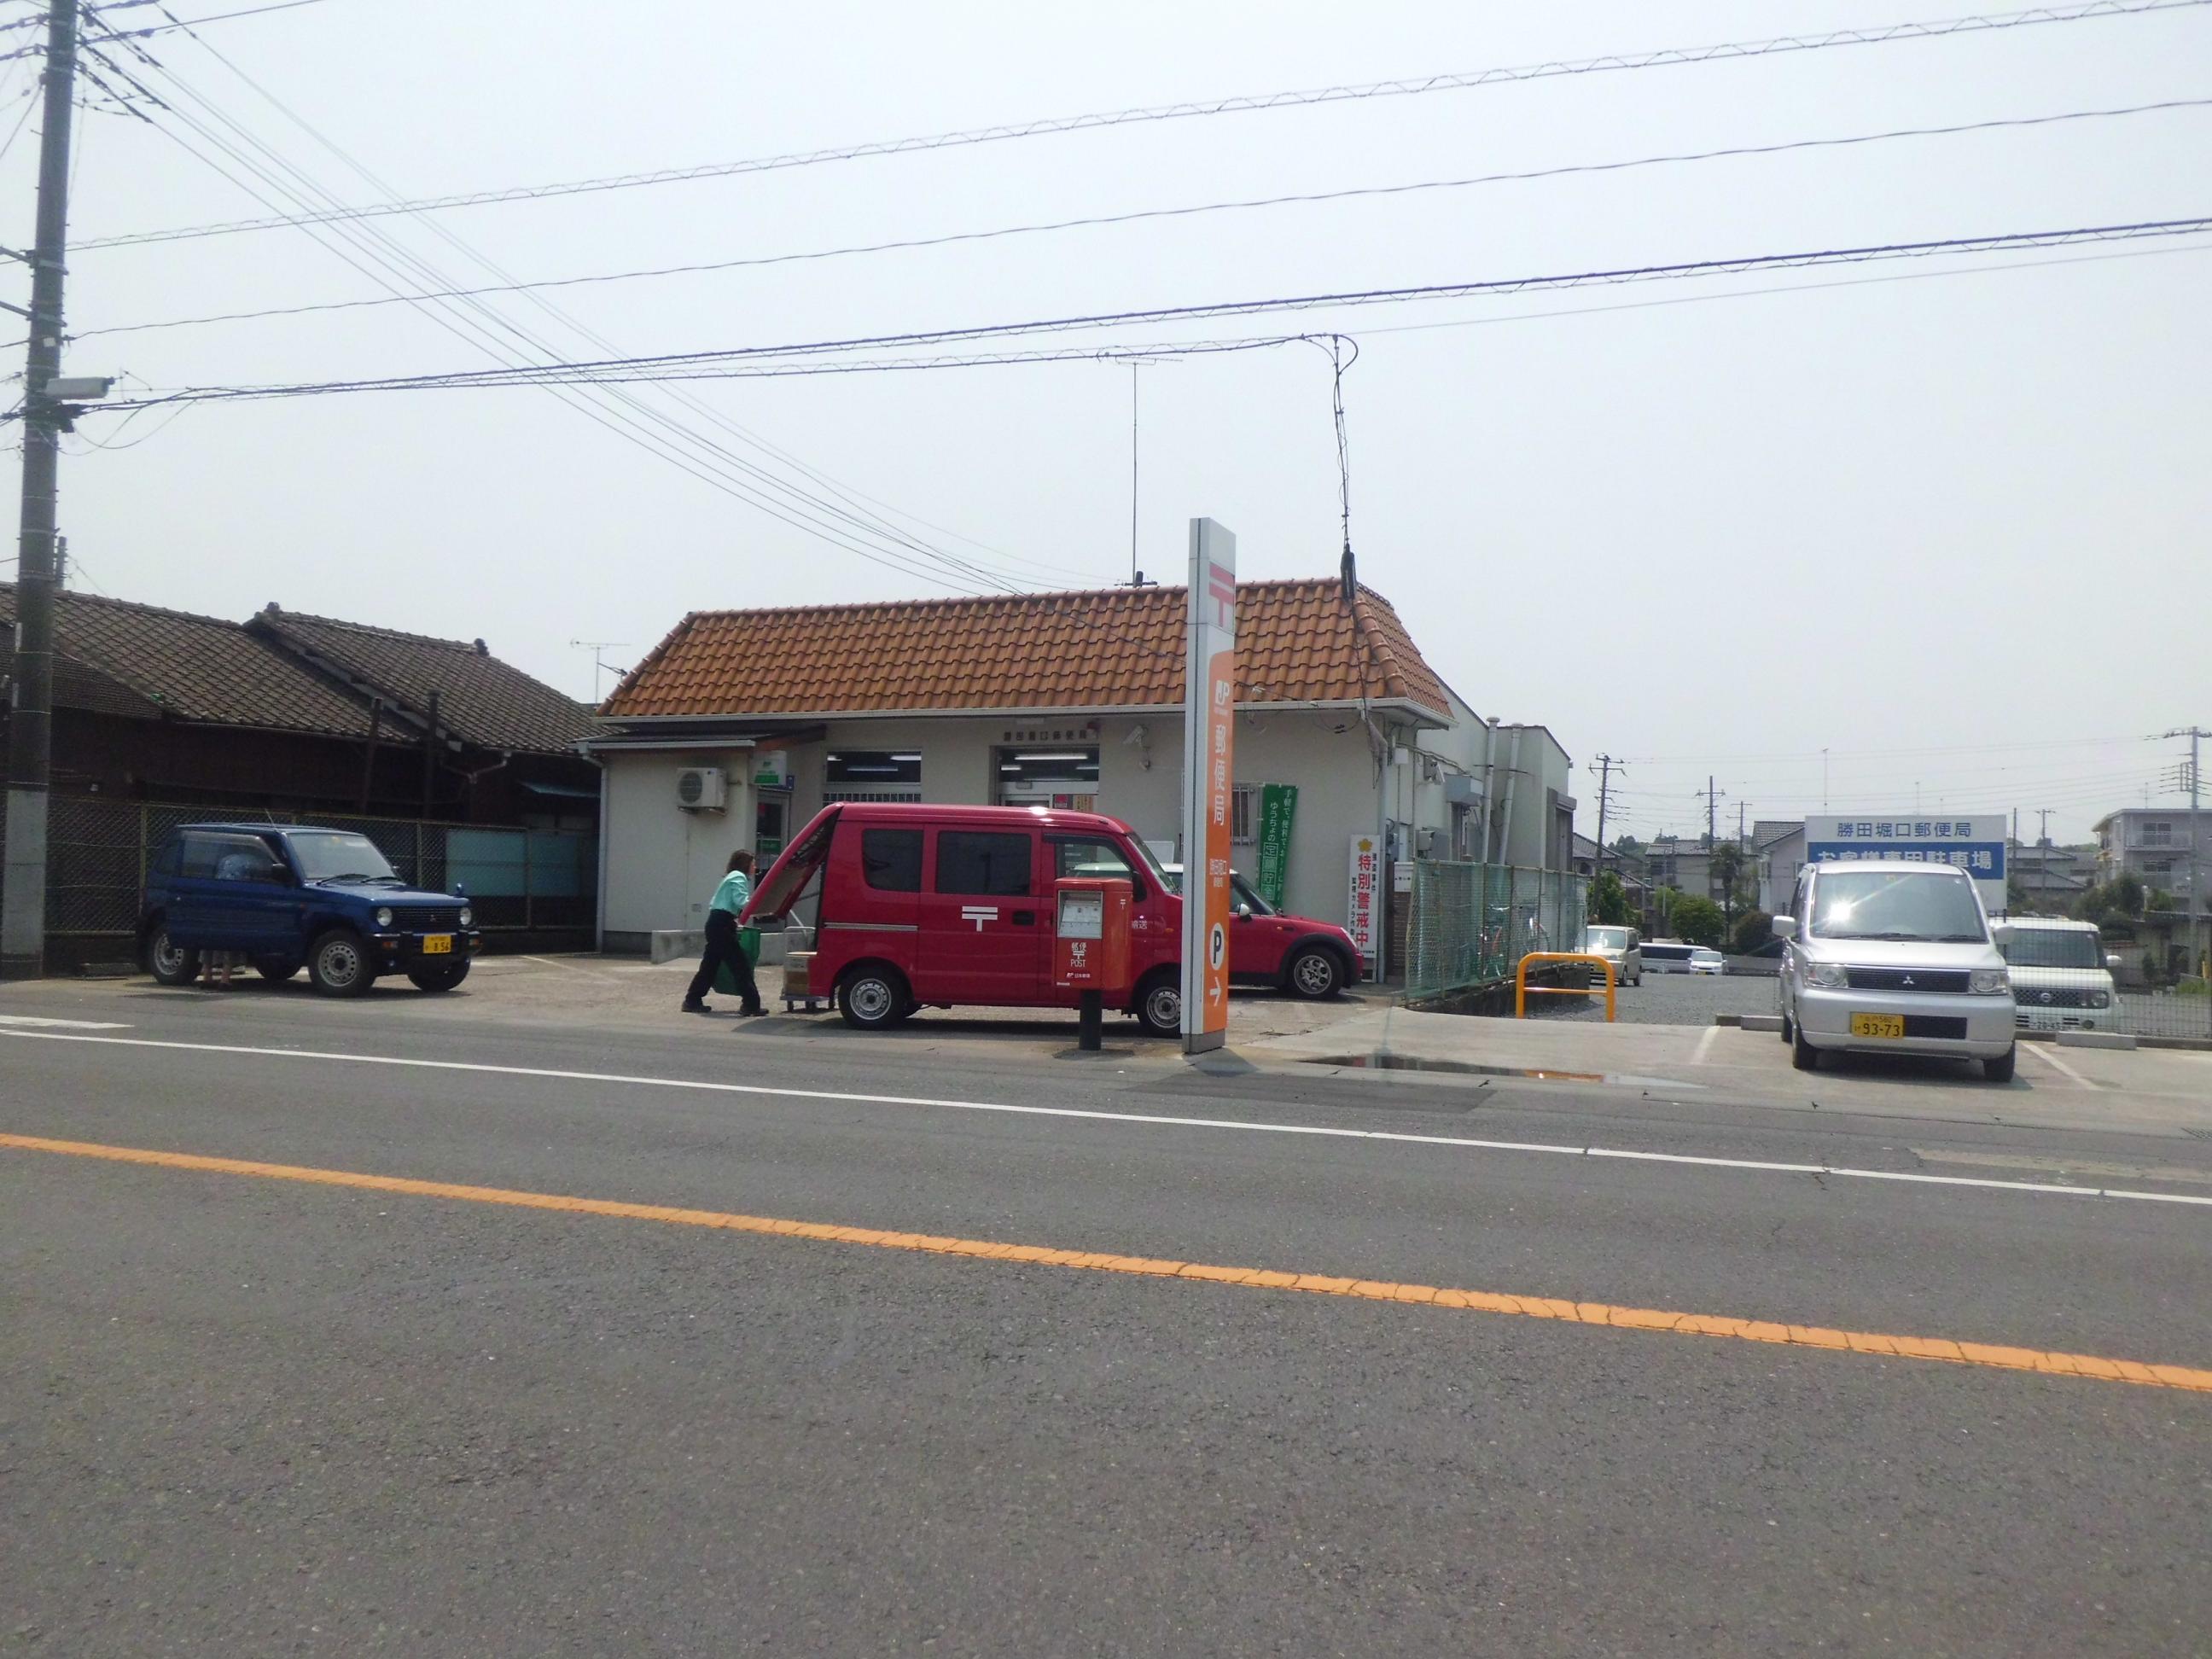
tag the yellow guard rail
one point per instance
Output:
(1522, 990)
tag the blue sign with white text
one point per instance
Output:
(1984, 861)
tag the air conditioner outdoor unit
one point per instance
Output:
(700, 789)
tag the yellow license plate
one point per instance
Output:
(441, 945)
(1878, 1025)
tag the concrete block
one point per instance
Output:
(684, 945)
(672, 944)
(2096, 1040)
(1761, 1022)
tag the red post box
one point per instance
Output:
(1091, 935)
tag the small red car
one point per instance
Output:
(920, 906)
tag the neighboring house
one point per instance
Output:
(2157, 847)
(2051, 878)
(1069, 700)
(302, 713)
(161, 716)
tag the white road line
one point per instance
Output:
(1705, 1045)
(1147, 1119)
(2040, 1051)
(74, 1025)
(573, 966)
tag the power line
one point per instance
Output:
(871, 525)
(636, 423)
(710, 364)
(475, 324)
(1667, 58)
(1146, 215)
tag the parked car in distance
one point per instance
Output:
(937, 906)
(1889, 958)
(284, 895)
(1704, 959)
(2062, 978)
(1621, 947)
(1665, 955)
(1268, 946)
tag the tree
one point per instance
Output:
(2120, 899)
(1628, 846)
(1663, 902)
(1608, 901)
(1698, 921)
(1752, 929)
(1726, 868)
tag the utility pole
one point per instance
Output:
(2042, 824)
(2196, 912)
(30, 718)
(1606, 763)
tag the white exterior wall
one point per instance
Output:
(662, 862)
(1543, 766)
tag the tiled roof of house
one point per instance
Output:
(1121, 648)
(140, 660)
(481, 700)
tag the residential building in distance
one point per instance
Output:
(2162, 848)
(2051, 879)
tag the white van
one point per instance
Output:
(1665, 957)
(1888, 957)
(2062, 979)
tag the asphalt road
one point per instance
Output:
(245, 1411)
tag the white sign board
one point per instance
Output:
(1366, 909)
(1974, 844)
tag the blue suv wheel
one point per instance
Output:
(338, 965)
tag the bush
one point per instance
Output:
(1698, 921)
(1752, 929)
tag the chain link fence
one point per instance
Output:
(516, 879)
(1472, 923)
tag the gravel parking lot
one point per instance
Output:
(1668, 999)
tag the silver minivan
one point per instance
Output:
(1621, 946)
(1890, 958)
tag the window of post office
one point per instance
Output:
(890, 859)
(872, 774)
(982, 862)
(1244, 814)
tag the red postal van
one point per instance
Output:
(919, 906)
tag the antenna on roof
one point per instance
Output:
(599, 664)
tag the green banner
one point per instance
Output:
(1279, 805)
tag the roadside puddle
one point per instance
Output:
(1379, 1062)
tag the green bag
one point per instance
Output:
(748, 942)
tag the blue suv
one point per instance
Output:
(282, 895)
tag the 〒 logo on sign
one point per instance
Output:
(979, 914)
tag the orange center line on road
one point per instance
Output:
(1536, 1307)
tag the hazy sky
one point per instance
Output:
(1951, 529)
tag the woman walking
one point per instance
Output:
(722, 947)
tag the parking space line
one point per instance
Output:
(1705, 1045)
(1138, 1120)
(2041, 1052)
(74, 1025)
(1878, 1344)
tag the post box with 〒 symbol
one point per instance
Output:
(1091, 935)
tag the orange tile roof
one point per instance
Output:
(1121, 648)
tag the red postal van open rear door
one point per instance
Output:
(787, 877)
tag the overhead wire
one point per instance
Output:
(1145, 214)
(863, 522)
(386, 262)
(1613, 62)
(718, 362)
